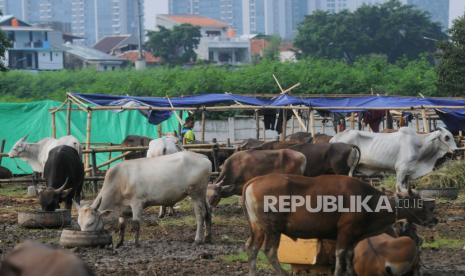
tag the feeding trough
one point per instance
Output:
(77, 238)
(45, 219)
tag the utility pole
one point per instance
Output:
(140, 62)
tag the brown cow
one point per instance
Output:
(249, 144)
(275, 145)
(245, 165)
(300, 137)
(321, 138)
(136, 141)
(346, 227)
(35, 259)
(386, 255)
(335, 158)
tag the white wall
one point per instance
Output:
(53, 63)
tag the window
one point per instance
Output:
(51, 56)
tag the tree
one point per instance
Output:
(271, 51)
(451, 67)
(175, 46)
(4, 44)
(392, 29)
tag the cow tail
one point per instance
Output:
(354, 159)
(250, 241)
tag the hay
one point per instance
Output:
(449, 175)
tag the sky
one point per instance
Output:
(456, 9)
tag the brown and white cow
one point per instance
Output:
(245, 165)
(297, 221)
(35, 259)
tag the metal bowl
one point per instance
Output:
(45, 219)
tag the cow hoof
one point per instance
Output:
(198, 242)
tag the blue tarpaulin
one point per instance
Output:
(454, 117)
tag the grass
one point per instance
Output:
(445, 243)
(13, 190)
(262, 261)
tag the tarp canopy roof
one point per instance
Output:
(330, 103)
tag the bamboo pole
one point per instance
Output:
(88, 129)
(312, 122)
(257, 125)
(284, 125)
(417, 123)
(180, 124)
(292, 125)
(425, 121)
(203, 126)
(2, 147)
(68, 118)
(108, 162)
(54, 125)
(159, 130)
(352, 120)
(80, 104)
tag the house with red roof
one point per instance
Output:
(219, 43)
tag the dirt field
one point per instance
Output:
(167, 249)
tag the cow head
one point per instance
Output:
(18, 148)
(89, 217)
(447, 140)
(218, 190)
(416, 209)
(404, 228)
(50, 198)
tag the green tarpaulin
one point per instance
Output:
(34, 119)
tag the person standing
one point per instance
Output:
(187, 133)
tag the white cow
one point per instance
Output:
(163, 146)
(145, 182)
(408, 154)
(36, 154)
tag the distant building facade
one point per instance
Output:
(33, 48)
(90, 19)
(439, 10)
(248, 16)
(217, 45)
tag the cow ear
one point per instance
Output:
(105, 213)
(76, 205)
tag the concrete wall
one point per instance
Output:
(55, 62)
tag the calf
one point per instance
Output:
(145, 182)
(136, 141)
(300, 137)
(245, 165)
(346, 227)
(64, 174)
(321, 138)
(35, 259)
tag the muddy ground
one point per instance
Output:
(167, 249)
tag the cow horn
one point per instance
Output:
(62, 188)
(99, 201)
(227, 190)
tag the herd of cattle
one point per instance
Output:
(301, 165)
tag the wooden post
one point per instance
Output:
(292, 125)
(68, 119)
(257, 125)
(308, 120)
(2, 147)
(203, 126)
(54, 126)
(94, 171)
(284, 125)
(180, 124)
(425, 121)
(215, 156)
(88, 129)
(159, 131)
(323, 124)
(312, 122)
(352, 120)
(417, 123)
(109, 156)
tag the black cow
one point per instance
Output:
(5, 173)
(64, 173)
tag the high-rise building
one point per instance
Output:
(91, 19)
(438, 9)
(248, 16)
